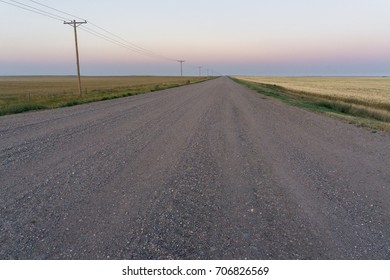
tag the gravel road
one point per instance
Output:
(206, 171)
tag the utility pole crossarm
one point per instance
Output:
(75, 25)
(73, 22)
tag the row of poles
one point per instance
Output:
(76, 24)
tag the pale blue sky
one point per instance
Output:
(246, 37)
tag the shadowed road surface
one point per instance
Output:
(206, 171)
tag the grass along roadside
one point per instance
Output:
(367, 113)
(27, 93)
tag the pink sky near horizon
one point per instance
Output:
(277, 33)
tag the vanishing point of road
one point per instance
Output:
(206, 171)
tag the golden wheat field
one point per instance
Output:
(369, 91)
(25, 93)
(40, 85)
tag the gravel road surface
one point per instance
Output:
(206, 171)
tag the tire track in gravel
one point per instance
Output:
(179, 223)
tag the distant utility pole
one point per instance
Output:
(181, 66)
(200, 70)
(76, 24)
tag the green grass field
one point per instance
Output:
(361, 100)
(24, 93)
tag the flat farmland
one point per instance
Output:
(25, 93)
(366, 99)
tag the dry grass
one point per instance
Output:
(360, 97)
(370, 91)
(24, 93)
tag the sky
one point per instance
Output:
(245, 37)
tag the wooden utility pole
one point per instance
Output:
(75, 24)
(181, 66)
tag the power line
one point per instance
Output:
(57, 10)
(117, 40)
(93, 32)
(39, 10)
(113, 41)
(132, 46)
(97, 31)
(103, 37)
(34, 10)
